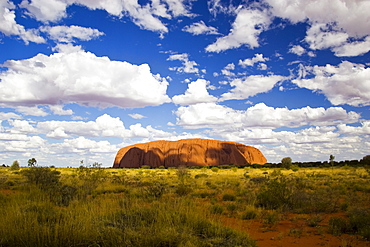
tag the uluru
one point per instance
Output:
(187, 152)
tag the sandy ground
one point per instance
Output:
(294, 231)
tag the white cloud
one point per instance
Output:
(212, 115)
(145, 16)
(68, 34)
(58, 110)
(320, 36)
(298, 50)
(206, 115)
(251, 61)
(31, 111)
(364, 129)
(341, 30)
(337, 83)
(103, 126)
(227, 70)
(262, 66)
(196, 93)
(250, 86)
(80, 77)
(10, 27)
(348, 15)
(249, 23)
(136, 116)
(188, 66)
(21, 126)
(8, 115)
(352, 49)
(46, 10)
(200, 28)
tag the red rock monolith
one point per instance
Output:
(187, 152)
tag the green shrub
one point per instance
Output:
(216, 209)
(214, 169)
(271, 218)
(359, 221)
(228, 197)
(43, 177)
(155, 190)
(249, 214)
(276, 193)
(201, 175)
(183, 189)
(338, 226)
(14, 166)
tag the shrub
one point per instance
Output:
(359, 220)
(271, 218)
(249, 214)
(155, 190)
(216, 209)
(43, 177)
(14, 166)
(214, 169)
(276, 193)
(182, 173)
(228, 197)
(286, 162)
(183, 190)
(338, 226)
(201, 175)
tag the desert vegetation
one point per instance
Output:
(222, 206)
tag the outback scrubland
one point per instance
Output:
(219, 206)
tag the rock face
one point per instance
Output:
(188, 152)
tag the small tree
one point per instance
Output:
(331, 159)
(32, 162)
(286, 162)
(14, 166)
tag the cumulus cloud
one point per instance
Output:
(337, 83)
(349, 15)
(227, 70)
(188, 66)
(212, 115)
(321, 36)
(339, 30)
(80, 77)
(31, 111)
(364, 129)
(58, 110)
(68, 34)
(248, 25)
(298, 50)
(200, 28)
(250, 86)
(352, 49)
(10, 27)
(196, 93)
(103, 126)
(145, 16)
(8, 115)
(251, 61)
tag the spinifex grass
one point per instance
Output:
(163, 207)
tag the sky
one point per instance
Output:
(80, 79)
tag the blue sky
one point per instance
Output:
(80, 79)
